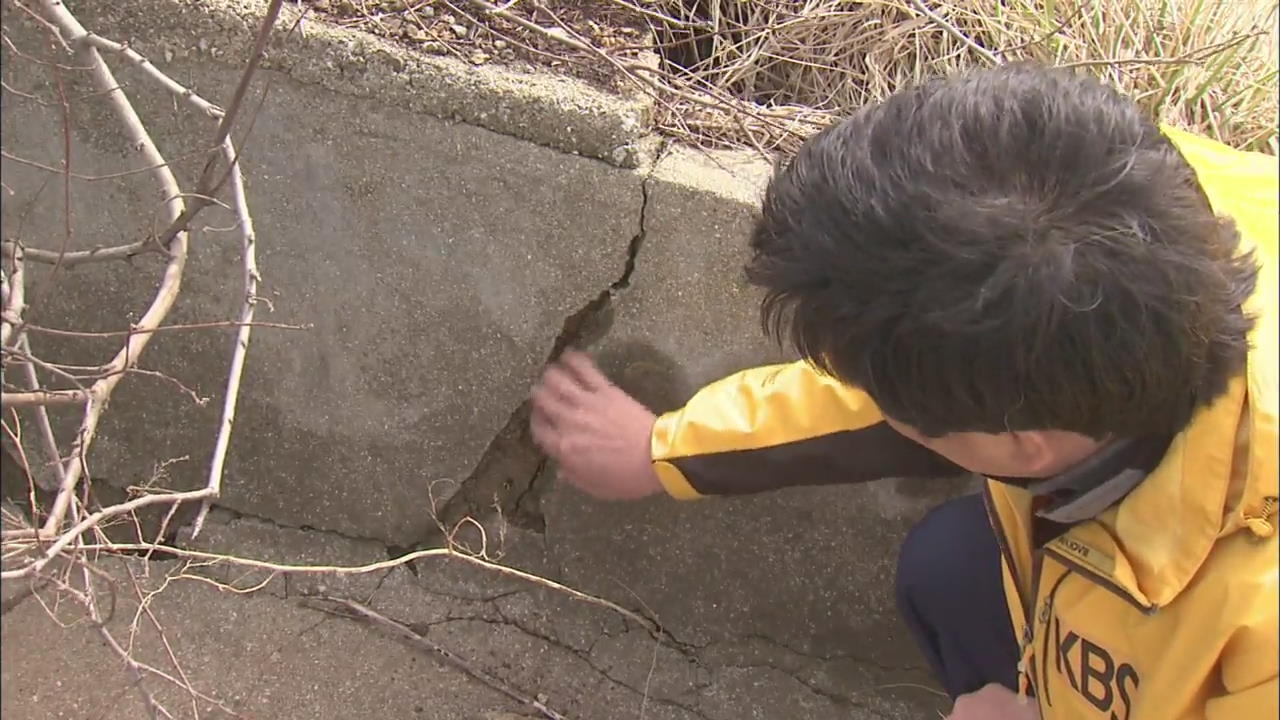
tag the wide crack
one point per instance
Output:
(510, 478)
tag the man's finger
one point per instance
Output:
(584, 370)
(544, 432)
(562, 383)
(555, 406)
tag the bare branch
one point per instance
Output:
(136, 59)
(207, 183)
(249, 258)
(75, 34)
(41, 330)
(34, 398)
(98, 254)
(13, 282)
(47, 436)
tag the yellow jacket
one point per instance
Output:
(1163, 607)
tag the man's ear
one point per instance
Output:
(1035, 452)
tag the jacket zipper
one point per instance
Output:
(1027, 638)
(1046, 611)
(1102, 581)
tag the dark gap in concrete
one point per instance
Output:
(512, 476)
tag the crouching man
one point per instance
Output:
(1012, 273)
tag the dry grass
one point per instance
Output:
(767, 73)
(1205, 65)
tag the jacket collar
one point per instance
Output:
(1086, 490)
(1152, 543)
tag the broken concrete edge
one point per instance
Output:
(510, 475)
(542, 107)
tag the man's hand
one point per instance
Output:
(597, 433)
(994, 702)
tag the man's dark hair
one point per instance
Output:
(1012, 249)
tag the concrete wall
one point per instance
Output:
(435, 264)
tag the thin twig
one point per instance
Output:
(153, 706)
(136, 59)
(196, 397)
(58, 332)
(356, 611)
(49, 27)
(207, 184)
(144, 608)
(955, 32)
(93, 178)
(21, 354)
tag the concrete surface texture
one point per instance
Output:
(544, 108)
(435, 265)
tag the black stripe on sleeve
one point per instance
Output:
(848, 456)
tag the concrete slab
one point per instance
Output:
(433, 264)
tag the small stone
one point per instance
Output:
(459, 30)
(507, 54)
(479, 58)
(427, 11)
(499, 44)
(415, 33)
(168, 54)
(203, 44)
(435, 48)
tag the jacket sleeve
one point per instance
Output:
(780, 426)
(1259, 701)
(1249, 666)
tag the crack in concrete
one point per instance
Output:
(237, 514)
(838, 699)
(856, 658)
(510, 477)
(586, 658)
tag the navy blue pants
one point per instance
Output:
(950, 594)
